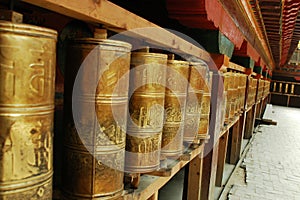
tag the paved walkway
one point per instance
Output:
(273, 161)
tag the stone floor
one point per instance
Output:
(272, 164)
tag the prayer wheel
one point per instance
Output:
(227, 80)
(27, 76)
(205, 107)
(146, 111)
(95, 129)
(194, 101)
(175, 102)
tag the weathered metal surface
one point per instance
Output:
(175, 106)
(194, 101)
(94, 149)
(27, 73)
(205, 107)
(146, 111)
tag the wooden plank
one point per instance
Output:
(175, 165)
(227, 127)
(223, 141)
(234, 151)
(150, 184)
(236, 67)
(249, 125)
(194, 178)
(154, 196)
(119, 19)
(208, 177)
(221, 61)
(242, 122)
(211, 150)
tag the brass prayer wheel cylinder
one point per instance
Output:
(227, 81)
(205, 104)
(146, 111)
(175, 102)
(204, 117)
(223, 109)
(94, 151)
(194, 100)
(27, 76)
(203, 126)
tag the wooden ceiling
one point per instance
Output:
(280, 21)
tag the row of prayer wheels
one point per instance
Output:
(131, 111)
(263, 88)
(123, 112)
(235, 88)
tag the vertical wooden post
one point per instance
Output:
(211, 150)
(235, 149)
(223, 141)
(194, 178)
(249, 123)
(242, 122)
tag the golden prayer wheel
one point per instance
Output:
(205, 107)
(146, 111)
(204, 117)
(227, 82)
(175, 102)
(236, 92)
(203, 126)
(27, 76)
(243, 82)
(94, 148)
(254, 89)
(231, 94)
(223, 109)
(194, 101)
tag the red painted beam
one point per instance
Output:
(211, 14)
(247, 50)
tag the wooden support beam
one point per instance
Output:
(251, 31)
(249, 124)
(234, 150)
(154, 196)
(194, 178)
(236, 67)
(211, 150)
(119, 19)
(221, 61)
(209, 174)
(223, 141)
